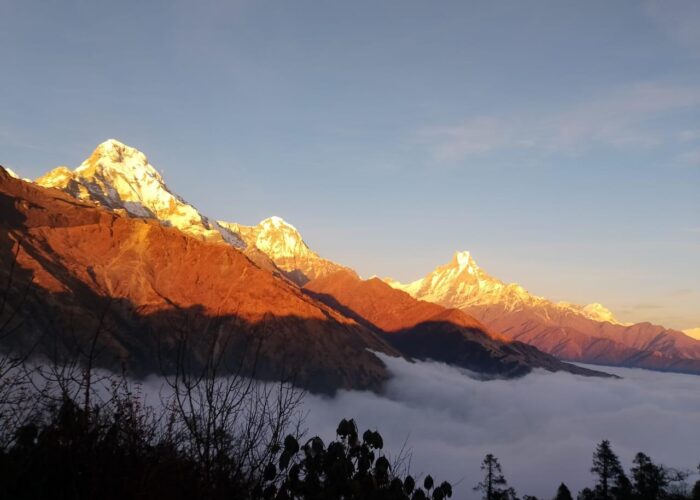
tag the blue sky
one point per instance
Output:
(558, 141)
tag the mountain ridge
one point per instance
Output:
(120, 177)
(66, 260)
(576, 333)
(425, 330)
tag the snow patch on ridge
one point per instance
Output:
(11, 172)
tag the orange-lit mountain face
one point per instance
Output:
(424, 330)
(578, 333)
(120, 178)
(130, 246)
(150, 284)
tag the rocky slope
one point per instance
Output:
(578, 333)
(75, 269)
(425, 330)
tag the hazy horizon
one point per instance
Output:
(560, 144)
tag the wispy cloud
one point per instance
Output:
(689, 135)
(680, 20)
(647, 306)
(620, 119)
(690, 158)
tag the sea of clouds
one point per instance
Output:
(542, 427)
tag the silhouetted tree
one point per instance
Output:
(563, 493)
(347, 468)
(696, 488)
(612, 482)
(622, 487)
(650, 480)
(15, 403)
(494, 485)
(586, 494)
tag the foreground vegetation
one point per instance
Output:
(69, 432)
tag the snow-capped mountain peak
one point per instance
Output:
(283, 243)
(117, 158)
(276, 222)
(275, 237)
(120, 177)
(464, 261)
(462, 284)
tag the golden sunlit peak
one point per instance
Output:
(277, 222)
(464, 260)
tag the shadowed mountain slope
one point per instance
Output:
(424, 330)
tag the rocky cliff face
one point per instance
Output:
(75, 269)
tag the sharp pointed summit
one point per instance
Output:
(120, 177)
(464, 261)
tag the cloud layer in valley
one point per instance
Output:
(543, 427)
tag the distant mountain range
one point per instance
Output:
(571, 332)
(424, 330)
(111, 230)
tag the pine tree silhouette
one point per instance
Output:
(611, 477)
(563, 493)
(494, 486)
